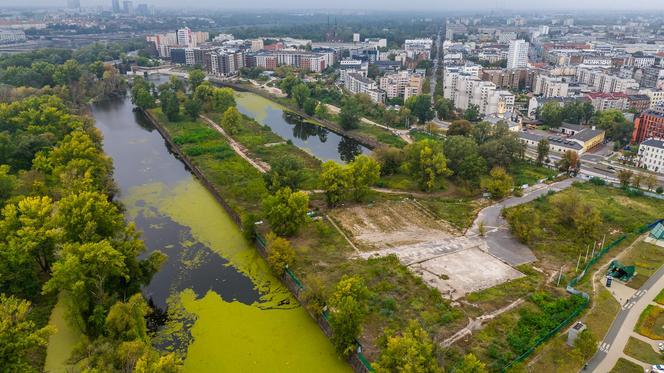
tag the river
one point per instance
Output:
(316, 140)
(238, 317)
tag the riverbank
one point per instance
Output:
(323, 255)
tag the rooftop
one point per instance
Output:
(657, 143)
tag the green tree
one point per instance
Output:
(420, 106)
(223, 99)
(170, 105)
(650, 181)
(471, 364)
(285, 172)
(321, 111)
(570, 162)
(142, 98)
(349, 116)
(288, 83)
(286, 211)
(348, 309)
(499, 184)
(126, 320)
(460, 127)
(617, 127)
(67, 73)
(280, 253)
(542, 151)
(551, 114)
(300, 94)
(192, 107)
(586, 344)
(524, 223)
(231, 120)
(411, 351)
(196, 78)
(427, 163)
(8, 183)
(19, 337)
(310, 106)
(472, 113)
(97, 69)
(444, 108)
(389, 158)
(363, 172)
(176, 84)
(625, 177)
(334, 181)
(464, 159)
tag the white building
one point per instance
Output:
(517, 56)
(548, 86)
(257, 45)
(356, 37)
(490, 100)
(11, 36)
(402, 84)
(656, 97)
(358, 83)
(651, 155)
(599, 81)
(506, 37)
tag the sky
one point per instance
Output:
(438, 5)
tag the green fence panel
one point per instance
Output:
(295, 279)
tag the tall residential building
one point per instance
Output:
(491, 101)
(549, 86)
(402, 84)
(598, 80)
(184, 36)
(116, 6)
(517, 56)
(358, 83)
(128, 7)
(650, 124)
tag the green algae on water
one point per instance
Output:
(257, 105)
(255, 340)
(61, 343)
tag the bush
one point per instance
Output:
(597, 181)
(280, 253)
(659, 190)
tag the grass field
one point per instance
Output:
(642, 351)
(647, 258)
(660, 297)
(626, 366)
(527, 173)
(651, 323)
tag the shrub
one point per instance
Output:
(659, 190)
(280, 253)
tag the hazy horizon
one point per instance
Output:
(374, 5)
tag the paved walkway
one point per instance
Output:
(499, 239)
(611, 348)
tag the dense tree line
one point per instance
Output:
(61, 234)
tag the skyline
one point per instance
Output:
(376, 5)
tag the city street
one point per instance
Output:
(611, 348)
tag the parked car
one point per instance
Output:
(657, 368)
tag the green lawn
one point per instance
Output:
(647, 258)
(527, 173)
(626, 366)
(651, 323)
(264, 144)
(643, 351)
(460, 212)
(660, 297)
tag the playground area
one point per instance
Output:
(446, 260)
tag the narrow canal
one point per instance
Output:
(239, 317)
(316, 140)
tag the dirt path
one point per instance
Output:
(477, 323)
(237, 147)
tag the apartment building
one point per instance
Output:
(650, 124)
(517, 79)
(651, 155)
(489, 99)
(517, 56)
(656, 97)
(402, 84)
(451, 75)
(315, 62)
(601, 81)
(358, 83)
(606, 101)
(549, 86)
(639, 103)
(12, 36)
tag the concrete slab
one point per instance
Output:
(465, 271)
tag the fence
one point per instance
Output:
(570, 289)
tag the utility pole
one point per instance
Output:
(577, 263)
(586, 258)
(560, 275)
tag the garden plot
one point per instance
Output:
(440, 255)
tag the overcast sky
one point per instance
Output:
(376, 4)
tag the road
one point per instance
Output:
(499, 239)
(436, 64)
(611, 348)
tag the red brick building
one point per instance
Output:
(650, 124)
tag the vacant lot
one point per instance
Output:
(626, 366)
(642, 351)
(651, 323)
(445, 260)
